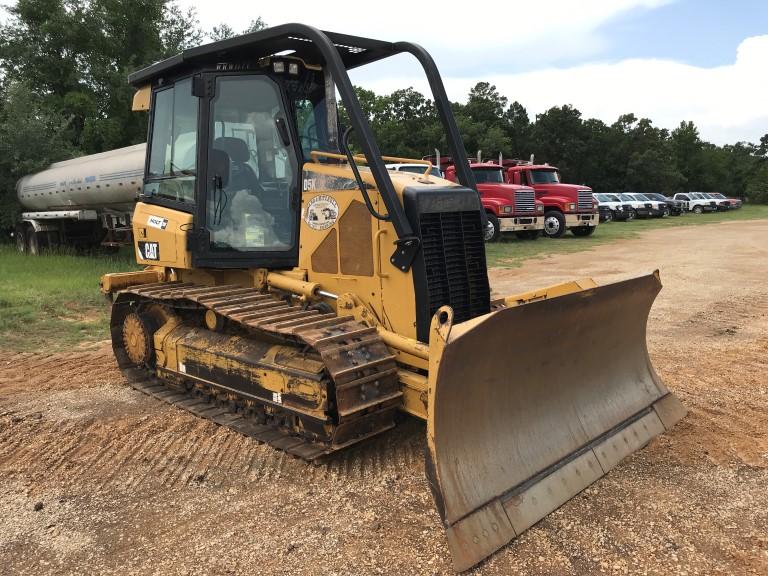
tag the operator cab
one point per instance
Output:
(233, 122)
(222, 146)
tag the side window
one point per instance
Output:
(173, 148)
(523, 178)
(306, 124)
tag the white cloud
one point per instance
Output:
(546, 30)
(727, 103)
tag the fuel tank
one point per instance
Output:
(105, 182)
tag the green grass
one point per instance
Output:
(510, 252)
(52, 301)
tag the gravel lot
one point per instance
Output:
(97, 478)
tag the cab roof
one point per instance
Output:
(354, 51)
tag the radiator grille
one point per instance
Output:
(454, 263)
(524, 201)
(585, 200)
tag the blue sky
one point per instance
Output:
(699, 32)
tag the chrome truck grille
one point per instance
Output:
(585, 200)
(524, 201)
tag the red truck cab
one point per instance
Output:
(509, 207)
(566, 206)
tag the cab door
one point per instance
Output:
(247, 209)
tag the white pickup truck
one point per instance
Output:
(640, 205)
(611, 207)
(696, 202)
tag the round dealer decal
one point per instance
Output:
(322, 212)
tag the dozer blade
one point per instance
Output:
(531, 404)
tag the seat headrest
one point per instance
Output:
(236, 148)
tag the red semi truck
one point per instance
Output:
(509, 207)
(566, 206)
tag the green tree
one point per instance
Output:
(255, 26)
(757, 186)
(221, 32)
(518, 130)
(687, 147)
(70, 59)
(31, 137)
(559, 137)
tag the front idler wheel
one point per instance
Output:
(137, 339)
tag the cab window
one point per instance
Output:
(173, 147)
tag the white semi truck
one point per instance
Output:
(86, 202)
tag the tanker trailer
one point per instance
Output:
(86, 202)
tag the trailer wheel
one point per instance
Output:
(554, 224)
(33, 242)
(583, 230)
(20, 234)
(493, 228)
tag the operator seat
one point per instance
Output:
(241, 175)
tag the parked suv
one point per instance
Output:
(674, 207)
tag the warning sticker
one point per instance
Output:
(157, 222)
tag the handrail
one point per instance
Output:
(359, 179)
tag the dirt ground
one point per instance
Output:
(96, 478)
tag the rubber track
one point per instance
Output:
(354, 356)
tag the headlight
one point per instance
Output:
(506, 209)
(572, 207)
(540, 208)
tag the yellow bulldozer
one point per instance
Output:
(303, 295)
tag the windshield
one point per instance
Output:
(613, 198)
(641, 197)
(544, 177)
(488, 175)
(718, 196)
(626, 198)
(603, 198)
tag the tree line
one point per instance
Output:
(63, 93)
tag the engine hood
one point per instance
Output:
(502, 191)
(560, 189)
